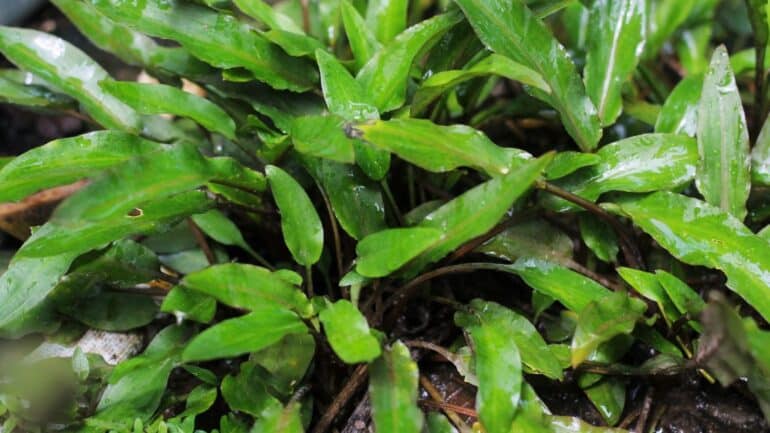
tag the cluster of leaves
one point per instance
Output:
(370, 108)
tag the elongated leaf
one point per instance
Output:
(467, 216)
(16, 92)
(573, 290)
(348, 333)
(387, 18)
(393, 391)
(300, 224)
(244, 334)
(648, 285)
(130, 46)
(158, 215)
(566, 163)
(232, 44)
(264, 12)
(700, 234)
(679, 114)
(375, 259)
(498, 366)
(664, 18)
(599, 238)
(71, 71)
(760, 156)
(723, 140)
(533, 238)
(493, 64)
(323, 137)
(511, 29)
(247, 391)
(280, 420)
(643, 163)
(356, 201)
(601, 320)
(215, 224)
(441, 148)
(247, 286)
(69, 159)
(343, 94)
(189, 305)
(687, 301)
(363, 43)
(615, 45)
(385, 76)
(163, 99)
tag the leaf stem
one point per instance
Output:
(392, 202)
(200, 238)
(342, 398)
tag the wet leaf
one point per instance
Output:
(679, 114)
(19, 93)
(248, 287)
(534, 238)
(723, 140)
(698, 233)
(264, 12)
(441, 148)
(566, 163)
(71, 71)
(384, 77)
(511, 29)
(664, 18)
(760, 157)
(163, 99)
(348, 333)
(300, 223)
(616, 36)
(241, 335)
(599, 238)
(648, 285)
(343, 94)
(69, 159)
(386, 18)
(322, 137)
(393, 391)
(376, 259)
(205, 33)
(363, 43)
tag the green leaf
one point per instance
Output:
(280, 420)
(355, 200)
(322, 137)
(300, 224)
(348, 333)
(247, 392)
(130, 46)
(393, 391)
(343, 94)
(498, 366)
(608, 397)
(511, 29)
(163, 99)
(189, 305)
(441, 148)
(69, 159)
(216, 38)
(363, 43)
(760, 156)
(241, 335)
(723, 140)
(642, 163)
(602, 320)
(700, 234)
(615, 44)
(599, 238)
(565, 163)
(31, 95)
(377, 257)
(686, 300)
(648, 285)
(386, 18)
(217, 226)
(158, 215)
(664, 18)
(287, 361)
(494, 64)
(22, 294)
(110, 311)
(264, 12)
(460, 220)
(71, 71)
(759, 22)
(247, 286)
(534, 238)
(385, 76)
(679, 114)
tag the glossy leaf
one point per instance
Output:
(615, 45)
(511, 29)
(375, 259)
(71, 71)
(19, 93)
(393, 391)
(130, 46)
(700, 234)
(189, 305)
(363, 42)
(566, 163)
(163, 99)
(723, 140)
(760, 156)
(648, 285)
(534, 238)
(494, 64)
(343, 94)
(462, 219)
(300, 224)
(247, 286)
(217, 226)
(322, 137)
(497, 361)
(245, 48)
(599, 238)
(602, 320)
(348, 333)
(386, 18)
(686, 300)
(384, 77)
(664, 18)
(241, 335)
(263, 11)
(679, 114)
(441, 148)
(355, 200)
(67, 160)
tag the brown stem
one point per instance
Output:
(450, 412)
(346, 393)
(641, 424)
(200, 238)
(631, 252)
